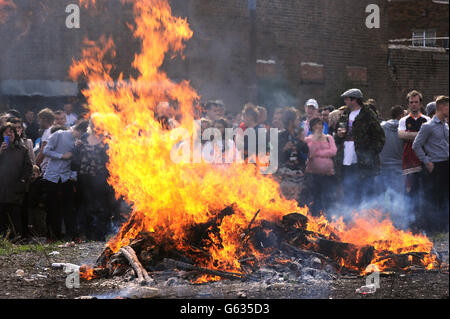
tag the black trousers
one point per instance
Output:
(356, 188)
(96, 207)
(60, 207)
(10, 220)
(322, 190)
(416, 193)
(435, 209)
(24, 215)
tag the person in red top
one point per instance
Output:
(246, 119)
(408, 128)
(320, 167)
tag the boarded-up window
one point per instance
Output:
(311, 72)
(266, 68)
(357, 74)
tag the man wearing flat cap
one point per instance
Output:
(360, 139)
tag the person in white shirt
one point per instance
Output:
(71, 117)
(46, 118)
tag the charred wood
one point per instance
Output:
(249, 227)
(220, 273)
(359, 257)
(130, 255)
(104, 258)
(307, 254)
(199, 235)
(294, 220)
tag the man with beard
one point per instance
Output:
(360, 140)
(408, 128)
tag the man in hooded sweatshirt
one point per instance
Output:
(391, 156)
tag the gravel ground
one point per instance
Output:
(39, 280)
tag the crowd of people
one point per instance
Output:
(58, 160)
(350, 154)
(346, 154)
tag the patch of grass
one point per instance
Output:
(9, 248)
(439, 237)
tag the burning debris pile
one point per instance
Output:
(198, 217)
(270, 253)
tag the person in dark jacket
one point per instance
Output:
(97, 202)
(360, 140)
(15, 172)
(32, 127)
(293, 151)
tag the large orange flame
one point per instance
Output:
(168, 198)
(375, 229)
(86, 3)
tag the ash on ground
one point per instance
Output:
(296, 279)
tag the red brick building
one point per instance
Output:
(418, 50)
(304, 49)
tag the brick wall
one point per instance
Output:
(426, 71)
(319, 49)
(408, 15)
(422, 69)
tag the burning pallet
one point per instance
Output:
(284, 246)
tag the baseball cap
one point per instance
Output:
(312, 102)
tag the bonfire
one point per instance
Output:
(220, 222)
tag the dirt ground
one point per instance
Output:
(40, 281)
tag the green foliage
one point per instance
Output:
(9, 248)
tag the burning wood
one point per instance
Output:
(185, 266)
(142, 274)
(182, 208)
(268, 244)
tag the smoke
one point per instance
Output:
(283, 98)
(226, 78)
(221, 46)
(388, 196)
(391, 203)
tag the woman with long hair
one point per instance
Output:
(97, 201)
(320, 167)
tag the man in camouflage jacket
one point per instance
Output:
(367, 136)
